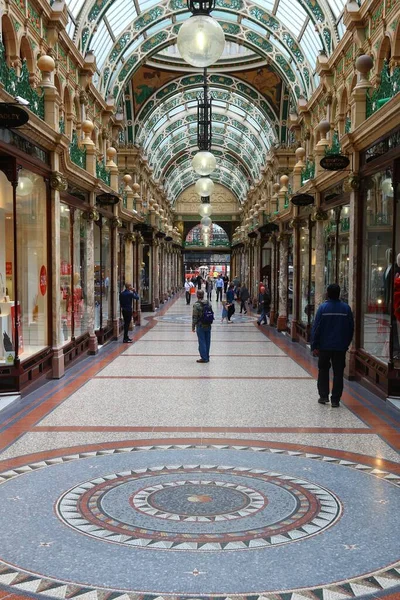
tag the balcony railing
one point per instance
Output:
(102, 172)
(20, 86)
(77, 154)
(308, 172)
(388, 88)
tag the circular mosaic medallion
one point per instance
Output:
(181, 510)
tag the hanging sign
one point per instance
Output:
(302, 200)
(12, 115)
(43, 280)
(334, 162)
(107, 199)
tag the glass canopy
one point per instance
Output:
(123, 33)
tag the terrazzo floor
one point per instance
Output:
(143, 475)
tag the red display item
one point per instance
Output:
(43, 280)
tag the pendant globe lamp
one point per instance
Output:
(204, 186)
(205, 210)
(204, 163)
(201, 39)
(206, 222)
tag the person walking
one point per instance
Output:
(219, 286)
(199, 281)
(126, 299)
(209, 287)
(225, 279)
(230, 300)
(202, 319)
(188, 287)
(244, 296)
(264, 303)
(332, 332)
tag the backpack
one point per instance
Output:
(207, 316)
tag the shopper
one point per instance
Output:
(188, 288)
(331, 335)
(264, 305)
(244, 296)
(230, 299)
(126, 299)
(219, 286)
(202, 319)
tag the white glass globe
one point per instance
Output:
(205, 210)
(206, 222)
(205, 230)
(201, 41)
(387, 187)
(204, 186)
(25, 186)
(204, 163)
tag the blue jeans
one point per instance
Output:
(263, 316)
(204, 337)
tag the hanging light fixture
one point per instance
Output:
(201, 39)
(25, 186)
(206, 222)
(204, 186)
(204, 163)
(205, 210)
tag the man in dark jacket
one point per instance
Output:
(244, 296)
(331, 335)
(203, 330)
(125, 300)
(264, 303)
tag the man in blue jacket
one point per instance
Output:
(331, 335)
(126, 299)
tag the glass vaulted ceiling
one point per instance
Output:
(123, 33)
(287, 34)
(243, 130)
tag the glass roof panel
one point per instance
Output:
(292, 15)
(101, 44)
(336, 6)
(311, 44)
(74, 6)
(146, 4)
(120, 12)
(266, 4)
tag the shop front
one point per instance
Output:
(104, 305)
(74, 276)
(335, 203)
(378, 330)
(306, 260)
(25, 278)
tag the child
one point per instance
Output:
(224, 311)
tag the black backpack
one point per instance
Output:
(207, 316)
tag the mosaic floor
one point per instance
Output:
(143, 475)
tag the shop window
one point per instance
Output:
(121, 267)
(102, 274)
(73, 272)
(378, 275)
(145, 275)
(307, 272)
(337, 231)
(23, 285)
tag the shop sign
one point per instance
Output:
(43, 280)
(335, 162)
(8, 268)
(107, 199)
(12, 115)
(302, 200)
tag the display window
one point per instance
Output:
(102, 274)
(290, 279)
(73, 272)
(121, 267)
(24, 283)
(307, 272)
(145, 275)
(337, 232)
(379, 266)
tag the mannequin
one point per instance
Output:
(387, 278)
(396, 311)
